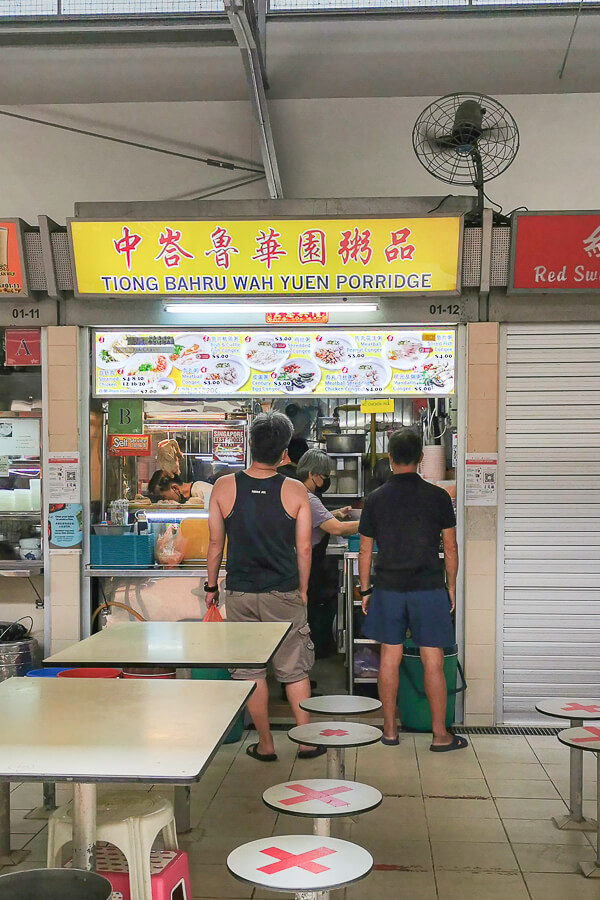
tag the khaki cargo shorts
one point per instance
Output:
(296, 656)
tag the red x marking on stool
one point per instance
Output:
(291, 860)
(307, 793)
(572, 707)
(595, 732)
(333, 732)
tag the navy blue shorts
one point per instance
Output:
(426, 613)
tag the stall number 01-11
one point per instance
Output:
(453, 309)
(19, 312)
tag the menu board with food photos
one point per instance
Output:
(274, 363)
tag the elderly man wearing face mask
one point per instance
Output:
(313, 471)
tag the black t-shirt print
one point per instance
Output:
(405, 517)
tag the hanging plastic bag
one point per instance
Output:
(213, 614)
(169, 550)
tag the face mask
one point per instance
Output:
(325, 486)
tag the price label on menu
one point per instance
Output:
(323, 363)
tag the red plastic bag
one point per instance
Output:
(213, 614)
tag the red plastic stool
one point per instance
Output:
(169, 870)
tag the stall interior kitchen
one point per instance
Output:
(170, 414)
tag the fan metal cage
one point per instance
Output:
(438, 151)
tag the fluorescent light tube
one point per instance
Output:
(208, 307)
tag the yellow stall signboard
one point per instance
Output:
(268, 257)
(385, 405)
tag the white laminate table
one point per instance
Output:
(89, 731)
(177, 644)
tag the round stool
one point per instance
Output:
(306, 865)
(322, 799)
(587, 738)
(340, 705)
(336, 736)
(576, 711)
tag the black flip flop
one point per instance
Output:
(390, 742)
(261, 757)
(312, 754)
(457, 743)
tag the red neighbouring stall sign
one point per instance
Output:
(129, 445)
(23, 347)
(554, 252)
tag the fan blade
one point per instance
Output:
(440, 142)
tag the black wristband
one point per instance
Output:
(366, 593)
(210, 590)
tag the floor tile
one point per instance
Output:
(480, 886)
(516, 808)
(557, 887)
(460, 788)
(467, 830)
(444, 808)
(395, 785)
(474, 857)
(535, 790)
(552, 857)
(26, 796)
(515, 771)
(394, 884)
(215, 881)
(541, 831)
(403, 817)
(387, 850)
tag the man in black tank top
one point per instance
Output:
(266, 520)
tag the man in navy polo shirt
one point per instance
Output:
(412, 587)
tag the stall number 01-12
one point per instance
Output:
(19, 312)
(453, 309)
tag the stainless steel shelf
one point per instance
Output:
(152, 572)
(364, 641)
(341, 496)
(23, 568)
(365, 680)
(21, 514)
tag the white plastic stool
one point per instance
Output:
(130, 820)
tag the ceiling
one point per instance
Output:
(387, 56)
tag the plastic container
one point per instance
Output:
(54, 884)
(124, 550)
(412, 702)
(90, 673)
(354, 543)
(45, 673)
(19, 653)
(149, 672)
(237, 729)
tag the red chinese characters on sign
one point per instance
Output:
(398, 248)
(556, 252)
(23, 347)
(268, 248)
(221, 247)
(127, 244)
(355, 246)
(311, 247)
(171, 250)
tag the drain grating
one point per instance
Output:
(507, 729)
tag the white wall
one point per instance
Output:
(326, 148)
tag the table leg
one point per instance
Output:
(8, 857)
(182, 808)
(336, 766)
(49, 805)
(575, 820)
(592, 869)
(84, 826)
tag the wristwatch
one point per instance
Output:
(366, 593)
(210, 590)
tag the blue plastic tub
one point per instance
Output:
(45, 673)
(122, 550)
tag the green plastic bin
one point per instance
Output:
(237, 729)
(413, 708)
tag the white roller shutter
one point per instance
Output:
(549, 516)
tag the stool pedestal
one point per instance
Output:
(587, 710)
(587, 738)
